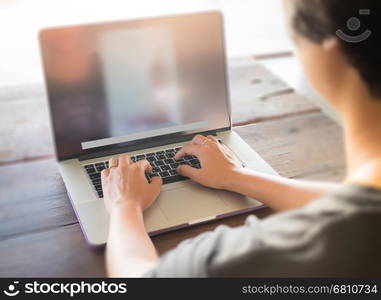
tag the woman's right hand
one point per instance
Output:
(125, 183)
(218, 163)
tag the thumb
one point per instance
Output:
(188, 171)
(156, 180)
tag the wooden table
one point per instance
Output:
(39, 233)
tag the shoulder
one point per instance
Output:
(333, 236)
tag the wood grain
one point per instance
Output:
(59, 252)
(308, 146)
(32, 198)
(24, 130)
(258, 95)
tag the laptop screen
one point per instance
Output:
(122, 83)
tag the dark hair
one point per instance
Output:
(318, 20)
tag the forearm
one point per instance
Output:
(277, 192)
(130, 251)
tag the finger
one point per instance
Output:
(188, 149)
(228, 151)
(188, 171)
(156, 180)
(105, 173)
(212, 138)
(104, 176)
(145, 165)
(113, 162)
(124, 161)
(199, 139)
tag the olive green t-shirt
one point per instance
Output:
(335, 236)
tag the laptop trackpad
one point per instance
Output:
(190, 202)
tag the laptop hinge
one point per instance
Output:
(117, 149)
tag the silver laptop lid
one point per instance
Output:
(127, 83)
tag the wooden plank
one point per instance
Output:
(60, 252)
(25, 126)
(258, 95)
(32, 198)
(309, 146)
(25, 130)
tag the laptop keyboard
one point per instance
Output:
(162, 162)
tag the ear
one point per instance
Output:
(333, 52)
(331, 44)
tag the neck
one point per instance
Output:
(362, 130)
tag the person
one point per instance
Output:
(321, 229)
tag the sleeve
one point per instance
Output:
(193, 257)
(297, 242)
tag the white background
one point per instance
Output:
(252, 26)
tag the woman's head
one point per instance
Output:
(333, 58)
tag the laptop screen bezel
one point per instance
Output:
(141, 143)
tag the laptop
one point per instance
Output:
(145, 88)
